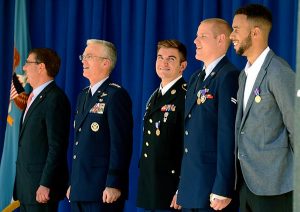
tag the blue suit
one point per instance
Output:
(208, 160)
(103, 143)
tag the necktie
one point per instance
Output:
(202, 75)
(29, 100)
(158, 96)
(88, 96)
(200, 79)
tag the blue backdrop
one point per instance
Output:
(135, 27)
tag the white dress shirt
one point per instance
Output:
(251, 73)
(168, 86)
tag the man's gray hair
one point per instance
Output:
(110, 50)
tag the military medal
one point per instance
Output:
(157, 132)
(203, 98)
(257, 96)
(257, 99)
(95, 126)
(166, 114)
(198, 99)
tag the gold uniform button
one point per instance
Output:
(186, 150)
(150, 120)
(186, 132)
(173, 171)
(190, 115)
(74, 157)
(145, 155)
(76, 143)
(149, 132)
(147, 144)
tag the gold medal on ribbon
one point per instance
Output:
(257, 99)
(202, 99)
(157, 132)
(198, 101)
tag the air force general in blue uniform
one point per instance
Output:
(103, 136)
(207, 170)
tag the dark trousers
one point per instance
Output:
(249, 202)
(117, 206)
(49, 207)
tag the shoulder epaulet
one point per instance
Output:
(115, 85)
(184, 86)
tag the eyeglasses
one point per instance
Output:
(90, 57)
(28, 62)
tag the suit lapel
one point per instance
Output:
(191, 93)
(94, 99)
(261, 75)
(35, 104)
(240, 94)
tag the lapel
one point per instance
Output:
(166, 98)
(191, 96)
(94, 99)
(261, 75)
(40, 98)
(239, 113)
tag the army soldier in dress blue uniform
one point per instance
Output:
(103, 135)
(163, 131)
(207, 170)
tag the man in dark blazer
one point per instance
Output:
(42, 172)
(163, 130)
(207, 170)
(264, 122)
(103, 135)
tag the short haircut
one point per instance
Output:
(49, 57)
(220, 26)
(175, 44)
(110, 50)
(258, 14)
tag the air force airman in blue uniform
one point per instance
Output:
(207, 171)
(103, 136)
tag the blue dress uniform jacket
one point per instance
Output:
(162, 148)
(208, 159)
(103, 143)
(43, 144)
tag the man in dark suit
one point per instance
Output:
(103, 135)
(265, 116)
(163, 130)
(207, 170)
(42, 172)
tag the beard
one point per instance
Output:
(245, 44)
